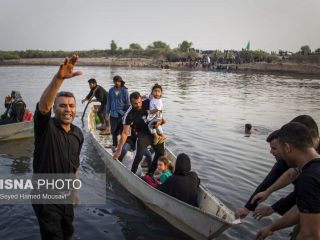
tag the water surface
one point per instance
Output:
(205, 112)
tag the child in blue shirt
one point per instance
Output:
(165, 167)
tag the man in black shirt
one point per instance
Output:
(297, 148)
(57, 148)
(277, 170)
(135, 118)
(290, 176)
(101, 96)
(279, 177)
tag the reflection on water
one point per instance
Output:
(206, 113)
(21, 165)
(20, 153)
(184, 82)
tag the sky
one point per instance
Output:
(269, 25)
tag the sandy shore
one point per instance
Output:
(281, 68)
(121, 62)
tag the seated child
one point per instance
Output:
(155, 119)
(165, 167)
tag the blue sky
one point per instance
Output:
(209, 24)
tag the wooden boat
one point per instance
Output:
(206, 222)
(15, 131)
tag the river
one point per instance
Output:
(205, 112)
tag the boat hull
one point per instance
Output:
(193, 221)
(15, 131)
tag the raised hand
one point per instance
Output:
(262, 212)
(66, 69)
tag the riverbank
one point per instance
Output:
(116, 62)
(280, 68)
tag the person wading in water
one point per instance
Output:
(57, 148)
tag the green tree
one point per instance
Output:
(113, 46)
(135, 46)
(8, 55)
(305, 50)
(185, 46)
(159, 45)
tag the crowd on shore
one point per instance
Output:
(228, 61)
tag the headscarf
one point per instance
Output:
(16, 95)
(183, 164)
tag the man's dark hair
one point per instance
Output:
(272, 136)
(65, 94)
(134, 95)
(156, 86)
(296, 134)
(117, 78)
(92, 80)
(309, 122)
(13, 94)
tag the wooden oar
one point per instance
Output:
(85, 109)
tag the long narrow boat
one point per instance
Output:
(15, 131)
(206, 222)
